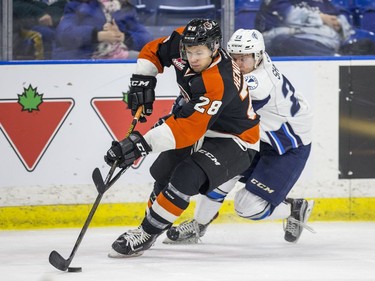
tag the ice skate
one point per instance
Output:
(188, 232)
(296, 222)
(132, 243)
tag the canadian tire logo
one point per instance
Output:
(31, 122)
(116, 118)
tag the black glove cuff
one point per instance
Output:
(143, 81)
(137, 138)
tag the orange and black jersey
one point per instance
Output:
(218, 103)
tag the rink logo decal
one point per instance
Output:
(262, 186)
(31, 122)
(116, 118)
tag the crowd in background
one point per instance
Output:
(311, 28)
(117, 29)
(77, 29)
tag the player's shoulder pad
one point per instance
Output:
(180, 29)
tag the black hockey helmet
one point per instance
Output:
(201, 32)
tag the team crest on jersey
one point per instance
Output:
(179, 63)
(252, 82)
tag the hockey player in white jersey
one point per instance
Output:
(285, 123)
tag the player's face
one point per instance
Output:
(199, 57)
(245, 62)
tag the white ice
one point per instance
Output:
(256, 251)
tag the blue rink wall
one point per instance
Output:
(57, 120)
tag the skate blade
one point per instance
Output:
(310, 206)
(187, 241)
(115, 255)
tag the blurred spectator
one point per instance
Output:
(34, 25)
(310, 28)
(99, 29)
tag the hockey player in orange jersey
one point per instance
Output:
(211, 137)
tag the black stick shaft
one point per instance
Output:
(86, 225)
(55, 258)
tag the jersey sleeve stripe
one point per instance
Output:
(149, 51)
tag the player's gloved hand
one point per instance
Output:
(178, 103)
(127, 151)
(141, 93)
(161, 120)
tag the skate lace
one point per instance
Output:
(135, 237)
(291, 223)
(189, 227)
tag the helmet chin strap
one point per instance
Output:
(213, 56)
(258, 61)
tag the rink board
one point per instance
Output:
(49, 154)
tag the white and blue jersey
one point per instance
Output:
(285, 115)
(285, 133)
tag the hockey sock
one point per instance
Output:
(167, 207)
(208, 206)
(282, 211)
(206, 209)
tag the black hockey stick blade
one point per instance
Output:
(102, 186)
(98, 180)
(58, 261)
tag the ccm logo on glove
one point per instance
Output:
(139, 83)
(127, 151)
(141, 149)
(141, 93)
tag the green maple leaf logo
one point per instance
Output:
(125, 97)
(30, 99)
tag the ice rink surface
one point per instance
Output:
(255, 251)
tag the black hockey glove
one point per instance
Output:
(177, 105)
(141, 93)
(127, 151)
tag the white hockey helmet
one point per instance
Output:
(247, 41)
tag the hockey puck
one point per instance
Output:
(74, 269)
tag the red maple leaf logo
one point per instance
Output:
(30, 124)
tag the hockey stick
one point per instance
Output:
(101, 186)
(55, 258)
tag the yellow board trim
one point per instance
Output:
(121, 214)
